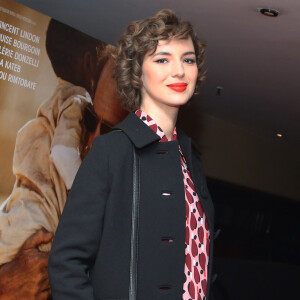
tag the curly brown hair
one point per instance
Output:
(141, 37)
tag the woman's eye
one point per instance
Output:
(161, 61)
(189, 60)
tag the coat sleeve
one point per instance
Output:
(78, 234)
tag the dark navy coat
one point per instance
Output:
(90, 255)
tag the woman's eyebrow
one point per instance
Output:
(161, 53)
(169, 54)
(189, 53)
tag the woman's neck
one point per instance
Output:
(165, 118)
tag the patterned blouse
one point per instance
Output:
(197, 231)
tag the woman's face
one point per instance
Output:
(169, 74)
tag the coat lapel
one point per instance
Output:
(186, 146)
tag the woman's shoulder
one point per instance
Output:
(115, 136)
(108, 149)
(114, 141)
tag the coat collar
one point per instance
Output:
(137, 131)
(141, 135)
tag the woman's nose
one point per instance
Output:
(178, 69)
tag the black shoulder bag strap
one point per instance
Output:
(134, 227)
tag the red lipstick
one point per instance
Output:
(178, 87)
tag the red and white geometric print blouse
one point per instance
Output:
(197, 231)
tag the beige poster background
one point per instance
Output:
(18, 104)
(27, 79)
(47, 125)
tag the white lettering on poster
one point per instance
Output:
(12, 13)
(9, 28)
(12, 66)
(22, 82)
(23, 48)
(26, 59)
(6, 52)
(26, 47)
(29, 36)
(5, 39)
(3, 75)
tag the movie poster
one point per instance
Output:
(57, 94)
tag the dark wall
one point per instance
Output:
(257, 253)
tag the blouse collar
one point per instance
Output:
(151, 123)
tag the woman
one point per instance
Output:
(138, 223)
